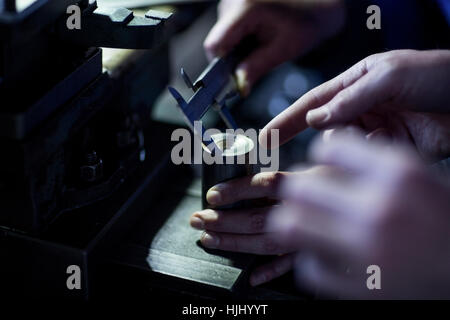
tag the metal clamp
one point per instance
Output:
(117, 28)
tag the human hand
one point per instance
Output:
(402, 95)
(246, 230)
(283, 30)
(385, 209)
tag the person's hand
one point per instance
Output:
(283, 31)
(247, 230)
(385, 209)
(402, 95)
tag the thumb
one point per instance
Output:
(368, 92)
(229, 30)
(261, 60)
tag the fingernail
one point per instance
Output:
(213, 195)
(256, 280)
(242, 82)
(210, 240)
(318, 116)
(197, 223)
(327, 135)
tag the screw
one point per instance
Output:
(91, 158)
(92, 170)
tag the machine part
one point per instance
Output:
(158, 15)
(36, 265)
(92, 170)
(18, 125)
(187, 80)
(37, 166)
(146, 3)
(127, 134)
(42, 186)
(235, 156)
(116, 28)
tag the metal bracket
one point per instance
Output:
(116, 28)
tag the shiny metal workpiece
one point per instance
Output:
(235, 162)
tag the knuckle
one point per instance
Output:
(391, 68)
(214, 220)
(229, 243)
(233, 243)
(390, 63)
(270, 180)
(257, 222)
(270, 273)
(228, 194)
(338, 105)
(270, 246)
(315, 95)
(278, 269)
(373, 56)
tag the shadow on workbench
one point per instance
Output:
(161, 256)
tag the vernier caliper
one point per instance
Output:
(213, 88)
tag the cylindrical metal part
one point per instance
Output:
(235, 163)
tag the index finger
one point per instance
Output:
(293, 120)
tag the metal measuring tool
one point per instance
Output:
(213, 88)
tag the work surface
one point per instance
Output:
(163, 243)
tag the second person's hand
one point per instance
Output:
(284, 30)
(246, 230)
(402, 95)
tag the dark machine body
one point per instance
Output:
(78, 146)
(85, 173)
(50, 88)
